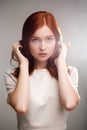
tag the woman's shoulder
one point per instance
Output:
(73, 74)
(9, 73)
(10, 80)
(72, 69)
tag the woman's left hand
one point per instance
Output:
(62, 51)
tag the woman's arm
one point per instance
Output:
(19, 98)
(68, 94)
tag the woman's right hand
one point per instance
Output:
(18, 55)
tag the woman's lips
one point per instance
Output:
(43, 54)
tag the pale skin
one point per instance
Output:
(42, 46)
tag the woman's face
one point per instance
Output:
(42, 44)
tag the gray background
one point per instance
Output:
(72, 18)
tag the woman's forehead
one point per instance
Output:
(44, 30)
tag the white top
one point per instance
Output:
(45, 111)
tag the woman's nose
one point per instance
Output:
(43, 46)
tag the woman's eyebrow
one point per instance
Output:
(35, 36)
(50, 35)
(45, 36)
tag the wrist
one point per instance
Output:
(24, 71)
(24, 66)
(61, 64)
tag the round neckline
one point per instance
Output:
(40, 70)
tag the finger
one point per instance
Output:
(68, 44)
(20, 47)
(16, 46)
(59, 44)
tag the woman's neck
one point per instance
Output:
(40, 65)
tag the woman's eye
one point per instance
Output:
(49, 39)
(35, 40)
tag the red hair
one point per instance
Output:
(32, 23)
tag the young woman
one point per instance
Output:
(43, 88)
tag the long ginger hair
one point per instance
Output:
(31, 24)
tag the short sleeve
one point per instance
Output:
(74, 77)
(10, 81)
